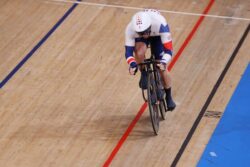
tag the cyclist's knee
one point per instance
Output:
(140, 51)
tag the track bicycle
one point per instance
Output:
(155, 92)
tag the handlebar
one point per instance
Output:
(149, 61)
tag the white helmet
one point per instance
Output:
(141, 21)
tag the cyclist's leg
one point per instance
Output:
(158, 49)
(141, 46)
(140, 51)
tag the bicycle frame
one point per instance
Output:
(155, 87)
(151, 68)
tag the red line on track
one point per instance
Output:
(125, 135)
(144, 106)
(191, 34)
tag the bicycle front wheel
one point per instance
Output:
(152, 103)
(160, 95)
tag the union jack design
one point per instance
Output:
(138, 21)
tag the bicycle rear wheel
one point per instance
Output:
(152, 103)
(162, 109)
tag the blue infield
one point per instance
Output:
(230, 142)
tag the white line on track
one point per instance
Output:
(163, 11)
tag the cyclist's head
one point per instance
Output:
(142, 23)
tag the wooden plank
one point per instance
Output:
(71, 103)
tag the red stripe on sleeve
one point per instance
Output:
(168, 45)
(130, 60)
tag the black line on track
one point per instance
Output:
(210, 97)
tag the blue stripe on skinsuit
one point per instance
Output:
(230, 142)
(129, 51)
(164, 28)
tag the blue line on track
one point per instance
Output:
(40, 43)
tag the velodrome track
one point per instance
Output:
(66, 98)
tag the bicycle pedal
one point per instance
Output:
(160, 94)
(153, 100)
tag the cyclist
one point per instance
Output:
(149, 27)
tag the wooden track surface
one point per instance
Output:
(71, 102)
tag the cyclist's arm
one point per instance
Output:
(167, 42)
(129, 54)
(166, 39)
(129, 47)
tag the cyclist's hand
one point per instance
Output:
(162, 66)
(133, 68)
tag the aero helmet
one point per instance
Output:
(141, 21)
